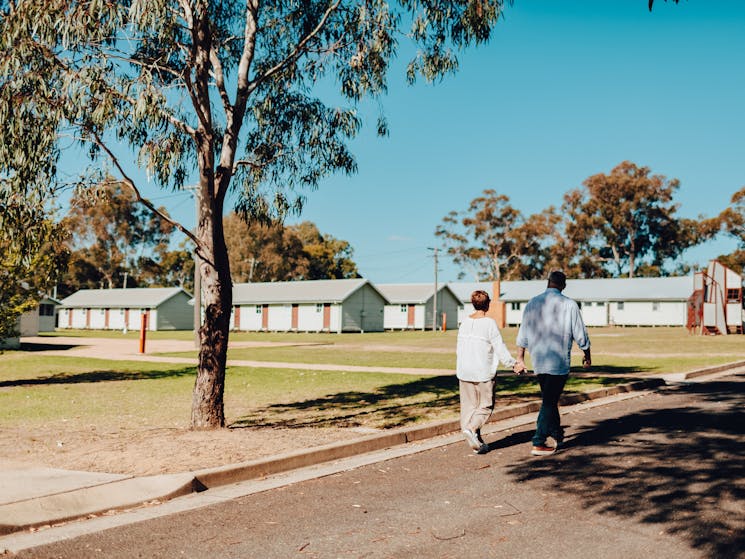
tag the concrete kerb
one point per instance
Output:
(131, 493)
(714, 369)
(75, 504)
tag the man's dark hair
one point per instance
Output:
(480, 300)
(557, 278)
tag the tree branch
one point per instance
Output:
(299, 49)
(144, 201)
(219, 76)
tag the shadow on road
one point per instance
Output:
(681, 467)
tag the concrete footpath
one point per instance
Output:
(33, 503)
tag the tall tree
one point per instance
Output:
(113, 234)
(263, 251)
(483, 237)
(328, 257)
(223, 85)
(627, 215)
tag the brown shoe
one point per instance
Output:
(543, 450)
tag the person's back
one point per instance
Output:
(551, 322)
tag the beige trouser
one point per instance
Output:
(476, 403)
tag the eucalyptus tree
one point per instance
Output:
(626, 216)
(220, 93)
(485, 238)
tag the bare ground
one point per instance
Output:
(153, 451)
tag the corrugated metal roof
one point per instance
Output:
(463, 290)
(413, 293)
(309, 291)
(604, 289)
(135, 297)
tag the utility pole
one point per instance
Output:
(434, 300)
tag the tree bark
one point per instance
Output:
(208, 411)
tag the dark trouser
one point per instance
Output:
(549, 422)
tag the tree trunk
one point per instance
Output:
(207, 411)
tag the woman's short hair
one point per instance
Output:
(480, 300)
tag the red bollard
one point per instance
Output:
(143, 331)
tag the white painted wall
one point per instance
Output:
(250, 318)
(595, 313)
(336, 315)
(310, 318)
(394, 318)
(646, 313)
(280, 318)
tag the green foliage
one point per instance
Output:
(110, 235)
(275, 252)
(32, 254)
(623, 222)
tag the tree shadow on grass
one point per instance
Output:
(99, 376)
(680, 467)
(33, 347)
(385, 405)
(614, 370)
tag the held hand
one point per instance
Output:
(586, 362)
(519, 368)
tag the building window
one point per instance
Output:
(515, 306)
(733, 295)
(655, 306)
(404, 308)
(619, 305)
(46, 310)
(319, 307)
(258, 309)
(600, 304)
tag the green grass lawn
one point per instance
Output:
(106, 395)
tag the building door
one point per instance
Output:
(295, 310)
(264, 317)
(237, 318)
(327, 316)
(410, 317)
(87, 318)
(106, 318)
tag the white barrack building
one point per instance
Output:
(411, 305)
(604, 302)
(343, 305)
(166, 308)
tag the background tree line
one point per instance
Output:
(623, 223)
(113, 241)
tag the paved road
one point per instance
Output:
(659, 476)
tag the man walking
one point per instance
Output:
(551, 322)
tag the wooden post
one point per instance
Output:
(143, 331)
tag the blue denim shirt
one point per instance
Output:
(551, 322)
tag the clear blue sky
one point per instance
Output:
(563, 90)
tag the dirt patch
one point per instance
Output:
(153, 451)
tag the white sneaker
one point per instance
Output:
(472, 439)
